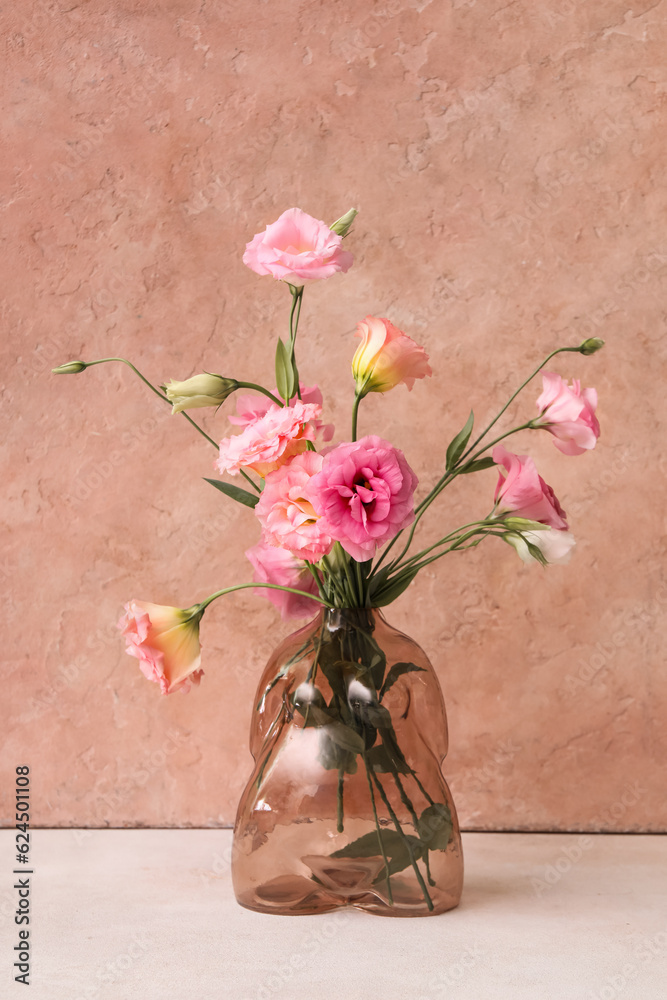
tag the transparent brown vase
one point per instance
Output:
(347, 805)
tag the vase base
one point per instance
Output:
(297, 896)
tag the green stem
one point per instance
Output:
(421, 788)
(339, 800)
(355, 411)
(452, 548)
(361, 596)
(559, 350)
(449, 476)
(102, 361)
(453, 534)
(395, 820)
(405, 799)
(198, 609)
(439, 487)
(260, 388)
(297, 295)
(353, 601)
(379, 832)
(249, 480)
(316, 577)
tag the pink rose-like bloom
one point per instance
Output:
(386, 357)
(279, 566)
(165, 643)
(287, 516)
(364, 494)
(251, 407)
(523, 492)
(568, 413)
(267, 443)
(297, 248)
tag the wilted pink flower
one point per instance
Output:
(386, 357)
(268, 442)
(287, 517)
(523, 492)
(297, 248)
(364, 494)
(166, 643)
(273, 565)
(568, 413)
(251, 407)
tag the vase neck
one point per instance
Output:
(335, 619)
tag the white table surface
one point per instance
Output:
(124, 914)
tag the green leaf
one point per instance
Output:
(392, 589)
(397, 847)
(397, 671)
(381, 759)
(285, 379)
(368, 846)
(235, 492)
(318, 717)
(401, 858)
(458, 444)
(477, 465)
(345, 737)
(435, 827)
(333, 757)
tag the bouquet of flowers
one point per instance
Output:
(339, 527)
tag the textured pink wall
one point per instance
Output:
(508, 165)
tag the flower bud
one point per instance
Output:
(200, 390)
(71, 368)
(591, 345)
(524, 524)
(386, 357)
(342, 226)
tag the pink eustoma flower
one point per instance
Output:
(250, 407)
(364, 493)
(268, 442)
(386, 357)
(287, 517)
(297, 248)
(166, 643)
(523, 492)
(568, 412)
(274, 565)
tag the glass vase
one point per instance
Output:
(347, 805)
